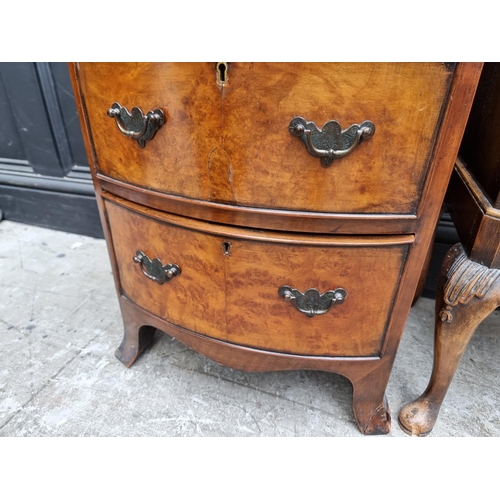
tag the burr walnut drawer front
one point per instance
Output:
(265, 136)
(309, 295)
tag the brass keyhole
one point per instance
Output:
(222, 70)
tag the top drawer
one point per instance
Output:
(231, 143)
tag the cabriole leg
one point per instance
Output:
(467, 293)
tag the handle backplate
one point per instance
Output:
(330, 142)
(155, 270)
(135, 124)
(312, 302)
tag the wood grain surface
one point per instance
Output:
(196, 298)
(469, 284)
(280, 220)
(258, 317)
(226, 158)
(468, 293)
(231, 143)
(234, 296)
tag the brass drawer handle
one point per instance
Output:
(135, 125)
(330, 142)
(155, 270)
(311, 302)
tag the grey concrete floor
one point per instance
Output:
(60, 325)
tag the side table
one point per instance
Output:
(469, 284)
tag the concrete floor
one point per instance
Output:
(60, 325)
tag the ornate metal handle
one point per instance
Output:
(311, 302)
(140, 127)
(330, 142)
(155, 270)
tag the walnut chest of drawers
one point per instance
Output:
(273, 216)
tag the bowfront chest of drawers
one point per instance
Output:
(273, 216)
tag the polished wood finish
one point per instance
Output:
(382, 175)
(191, 101)
(258, 317)
(476, 219)
(241, 289)
(467, 293)
(364, 224)
(231, 143)
(280, 220)
(474, 195)
(139, 334)
(469, 286)
(186, 298)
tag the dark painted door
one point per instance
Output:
(44, 177)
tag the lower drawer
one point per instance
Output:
(302, 294)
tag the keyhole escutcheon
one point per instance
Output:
(226, 247)
(222, 70)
